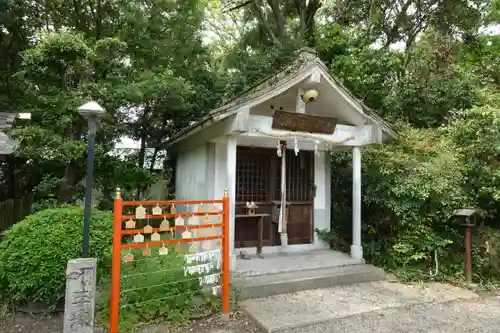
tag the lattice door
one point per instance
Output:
(253, 183)
(299, 176)
(258, 178)
(252, 176)
(300, 194)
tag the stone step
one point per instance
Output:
(289, 282)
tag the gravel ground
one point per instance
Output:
(480, 315)
(25, 323)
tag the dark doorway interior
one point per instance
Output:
(258, 178)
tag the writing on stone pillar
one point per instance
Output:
(80, 297)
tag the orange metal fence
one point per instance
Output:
(129, 232)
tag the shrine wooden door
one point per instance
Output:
(300, 195)
(258, 180)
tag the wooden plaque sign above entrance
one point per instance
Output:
(299, 122)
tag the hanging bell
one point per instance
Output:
(316, 143)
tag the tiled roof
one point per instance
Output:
(307, 59)
(6, 120)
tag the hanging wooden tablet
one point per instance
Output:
(179, 248)
(201, 232)
(201, 209)
(155, 237)
(219, 219)
(130, 224)
(163, 251)
(215, 209)
(164, 225)
(192, 248)
(139, 238)
(172, 209)
(218, 244)
(179, 221)
(186, 234)
(128, 258)
(212, 232)
(193, 220)
(206, 245)
(146, 251)
(157, 210)
(140, 212)
(148, 229)
(207, 219)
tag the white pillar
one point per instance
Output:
(321, 221)
(231, 188)
(356, 249)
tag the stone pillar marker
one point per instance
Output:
(80, 295)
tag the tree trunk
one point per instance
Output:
(153, 160)
(264, 23)
(143, 136)
(67, 188)
(306, 13)
(278, 17)
(142, 150)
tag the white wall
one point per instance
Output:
(202, 175)
(191, 180)
(220, 181)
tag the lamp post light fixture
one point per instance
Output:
(90, 111)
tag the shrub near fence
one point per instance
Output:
(13, 211)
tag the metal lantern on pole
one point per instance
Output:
(468, 218)
(90, 111)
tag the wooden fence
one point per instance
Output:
(13, 211)
(205, 262)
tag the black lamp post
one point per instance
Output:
(90, 111)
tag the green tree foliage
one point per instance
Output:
(59, 75)
(477, 134)
(143, 61)
(432, 89)
(424, 66)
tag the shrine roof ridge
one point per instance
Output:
(307, 61)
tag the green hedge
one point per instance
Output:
(34, 252)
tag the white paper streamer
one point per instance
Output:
(198, 269)
(213, 255)
(216, 290)
(209, 279)
(316, 144)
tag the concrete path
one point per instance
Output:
(465, 316)
(377, 307)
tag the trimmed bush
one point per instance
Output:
(34, 252)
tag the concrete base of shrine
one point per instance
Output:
(291, 272)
